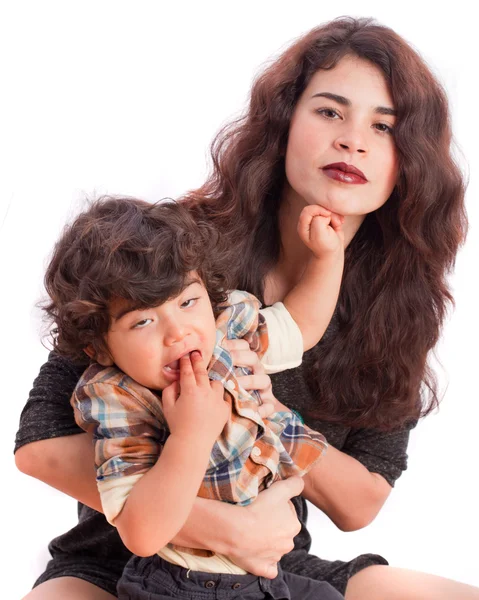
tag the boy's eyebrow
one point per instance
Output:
(380, 110)
(122, 312)
(190, 281)
(131, 308)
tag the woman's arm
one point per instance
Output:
(49, 445)
(255, 537)
(345, 490)
(339, 485)
(65, 463)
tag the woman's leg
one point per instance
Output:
(388, 583)
(72, 588)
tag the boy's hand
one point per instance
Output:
(194, 406)
(321, 230)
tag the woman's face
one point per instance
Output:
(341, 152)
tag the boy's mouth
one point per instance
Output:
(174, 365)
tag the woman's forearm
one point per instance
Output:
(212, 525)
(65, 463)
(254, 537)
(345, 490)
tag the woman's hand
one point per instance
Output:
(271, 525)
(255, 537)
(243, 356)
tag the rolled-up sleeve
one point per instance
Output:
(285, 348)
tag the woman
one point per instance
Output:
(348, 117)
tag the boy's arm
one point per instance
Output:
(159, 503)
(148, 480)
(312, 301)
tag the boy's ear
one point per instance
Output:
(89, 351)
(103, 359)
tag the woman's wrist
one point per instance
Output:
(213, 525)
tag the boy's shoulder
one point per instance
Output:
(239, 306)
(110, 382)
(96, 373)
(241, 297)
(112, 376)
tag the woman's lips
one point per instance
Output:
(344, 173)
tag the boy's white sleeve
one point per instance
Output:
(114, 493)
(285, 347)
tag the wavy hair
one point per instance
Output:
(373, 372)
(123, 248)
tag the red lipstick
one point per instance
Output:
(344, 173)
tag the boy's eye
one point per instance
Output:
(189, 303)
(142, 323)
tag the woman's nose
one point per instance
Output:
(352, 141)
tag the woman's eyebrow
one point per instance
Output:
(380, 110)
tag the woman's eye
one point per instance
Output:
(142, 323)
(189, 303)
(329, 113)
(383, 128)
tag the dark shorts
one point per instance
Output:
(105, 574)
(153, 578)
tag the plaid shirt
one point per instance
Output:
(130, 429)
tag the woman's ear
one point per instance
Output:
(101, 357)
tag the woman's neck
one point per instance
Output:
(294, 255)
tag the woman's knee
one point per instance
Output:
(72, 588)
(379, 582)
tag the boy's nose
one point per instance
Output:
(175, 332)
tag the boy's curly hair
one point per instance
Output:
(129, 249)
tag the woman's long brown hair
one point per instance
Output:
(373, 372)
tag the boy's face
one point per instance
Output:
(147, 344)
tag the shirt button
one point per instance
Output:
(256, 451)
(230, 384)
(236, 586)
(210, 584)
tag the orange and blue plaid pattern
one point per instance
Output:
(130, 430)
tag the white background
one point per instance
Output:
(124, 97)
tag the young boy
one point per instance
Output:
(140, 289)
